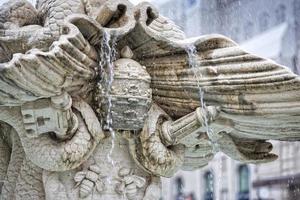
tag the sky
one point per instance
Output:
(133, 1)
(138, 1)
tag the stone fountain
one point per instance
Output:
(100, 98)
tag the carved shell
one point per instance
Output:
(258, 98)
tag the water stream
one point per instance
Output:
(107, 57)
(193, 64)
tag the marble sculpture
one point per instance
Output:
(101, 98)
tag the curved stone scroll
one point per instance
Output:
(115, 18)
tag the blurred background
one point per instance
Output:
(270, 29)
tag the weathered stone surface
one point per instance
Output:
(100, 98)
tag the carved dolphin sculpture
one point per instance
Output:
(68, 64)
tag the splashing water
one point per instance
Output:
(193, 64)
(107, 57)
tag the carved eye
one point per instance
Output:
(30, 132)
(65, 30)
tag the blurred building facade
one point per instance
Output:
(255, 24)
(226, 179)
(270, 29)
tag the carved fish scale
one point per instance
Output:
(55, 11)
(45, 24)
